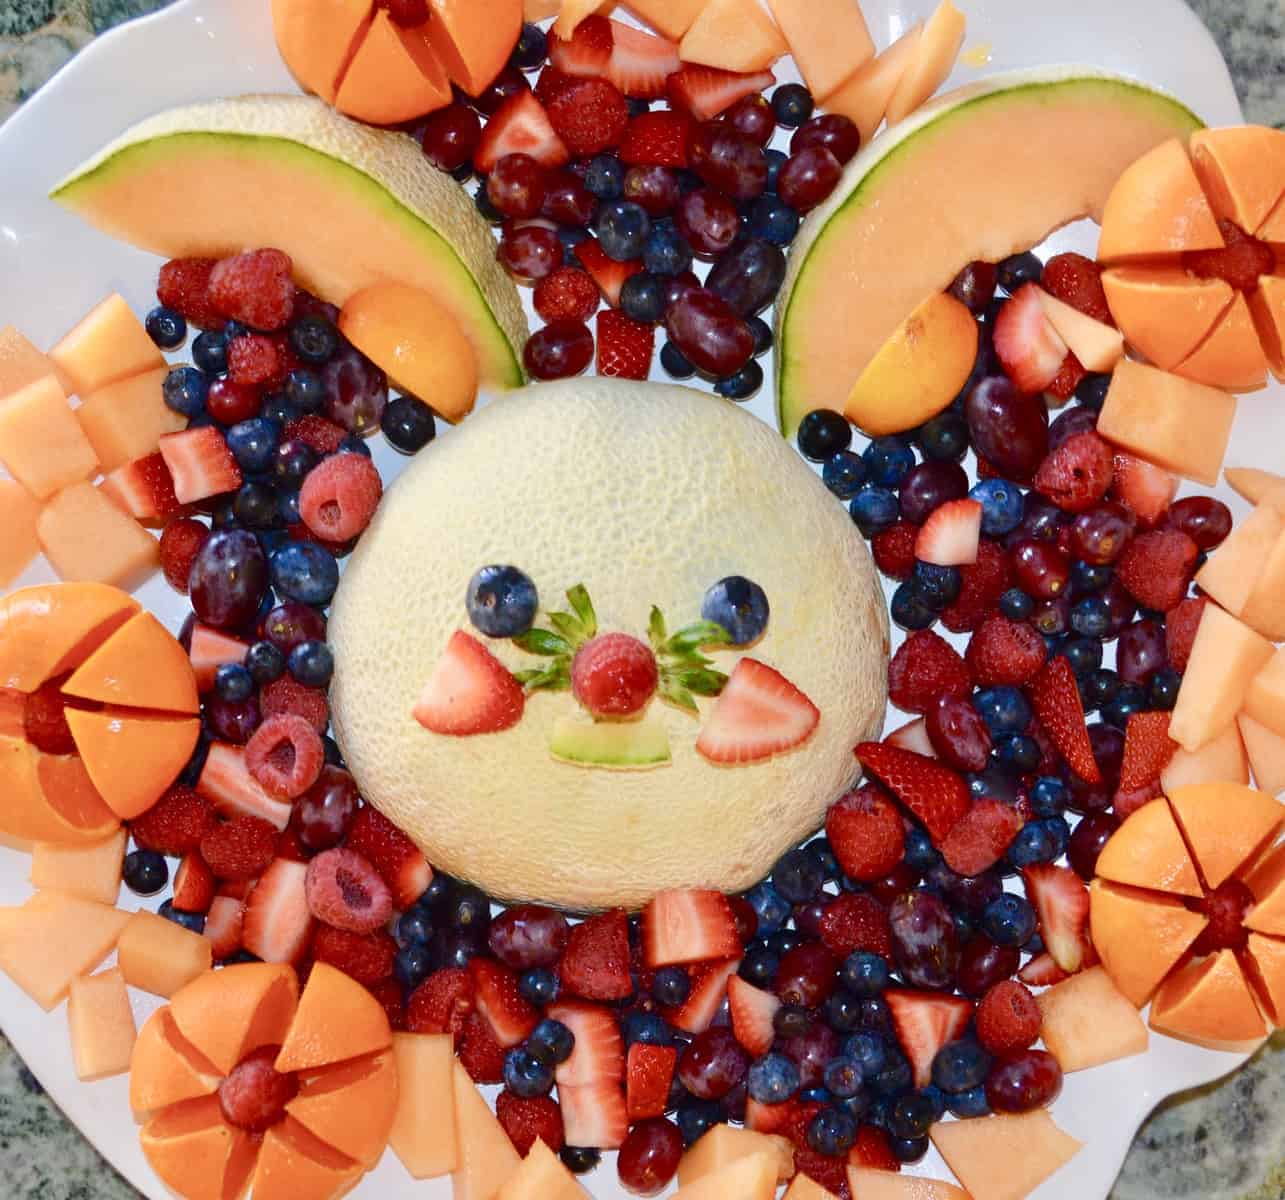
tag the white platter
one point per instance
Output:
(53, 268)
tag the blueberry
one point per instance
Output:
(415, 927)
(314, 339)
(145, 872)
(277, 408)
(843, 1076)
(649, 1028)
(525, 1075)
(759, 965)
(642, 298)
(253, 443)
(354, 444)
(696, 1118)
(306, 572)
(832, 1131)
(1163, 692)
(184, 390)
(876, 1016)
(821, 850)
(671, 986)
(773, 220)
(408, 424)
(792, 105)
(1092, 391)
(937, 587)
(895, 1076)
(772, 1079)
(1008, 920)
(532, 48)
(540, 986)
(775, 161)
(675, 363)
(1129, 699)
(292, 462)
(771, 908)
(666, 252)
(888, 460)
(468, 908)
(865, 973)
(740, 606)
(1083, 653)
(1100, 688)
(908, 608)
(762, 332)
(1003, 506)
(1088, 579)
(233, 683)
(1018, 752)
(188, 920)
(823, 433)
(579, 1159)
(1033, 844)
(412, 965)
(911, 1115)
(1016, 605)
(501, 601)
(969, 1104)
(908, 1150)
(743, 384)
(622, 228)
(844, 473)
(874, 509)
(255, 505)
(920, 854)
(166, 327)
(1018, 269)
(783, 941)
(1049, 796)
(1003, 708)
(869, 1049)
(551, 1042)
(1091, 617)
(305, 390)
(843, 1011)
(1060, 832)
(944, 438)
(605, 177)
(960, 1065)
(265, 661)
(210, 353)
(312, 664)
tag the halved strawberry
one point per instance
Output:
(706, 91)
(1181, 624)
(758, 714)
(225, 781)
(1157, 566)
(709, 988)
(640, 62)
(210, 649)
(595, 963)
(687, 925)
(509, 1014)
(981, 836)
(1069, 377)
(1143, 488)
(278, 924)
(1056, 701)
(144, 488)
(594, 1114)
(656, 139)
(521, 126)
(624, 345)
(599, 1051)
(587, 51)
(527, 1119)
(223, 926)
(936, 795)
(924, 1023)
(1029, 348)
(400, 863)
(1147, 749)
(469, 691)
(606, 272)
(1077, 281)
(752, 1010)
(200, 464)
(866, 832)
(913, 736)
(193, 884)
(949, 537)
(649, 1073)
(1042, 971)
(1061, 903)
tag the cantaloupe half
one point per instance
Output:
(1209, 1002)
(287, 171)
(1166, 311)
(863, 260)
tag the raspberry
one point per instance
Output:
(285, 695)
(526, 1120)
(175, 824)
(1004, 652)
(1077, 474)
(981, 584)
(894, 550)
(873, 1150)
(44, 719)
(479, 1053)
(321, 435)
(389, 994)
(1077, 281)
(339, 496)
(926, 666)
(614, 675)
(1068, 378)
(285, 756)
(589, 115)
(1008, 1018)
(239, 848)
(1181, 623)
(299, 532)
(1157, 566)
(1225, 907)
(365, 957)
(1240, 264)
(254, 288)
(831, 1173)
(566, 295)
(595, 963)
(854, 921)
(184, 285)
(345, 891)
(980, 837)
(443, 1003)
(254, 361)
(866, 833)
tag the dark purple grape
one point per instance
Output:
(529, 935)
(356, 391)
(1052, 617)
(1121, 607)
(902, 878)
(561, 349)
(713, 1063)
(290, 623)
(974, 286)
(507, 84)
(228, 579)
(752, 117)
(516, 185)
(811, 1051)
(836, 133)
(727, 160)
(807, 917)
(748, 276)
(928, 486)
(1069, 422)
(972, 893)
(530, 252)
(806, 975)
(708, 220)
(709, 332)
(1023, 1081)
(232, 721)
(1100, 535)
(958, 733)
(654, 188)
(677, 286)
(449, 138)
(649, 1157)
(808, 177)
(1203, 519)
(567, 201)
(1141, 651)
(1042, 521)
(324, 813)
(983, 964)
(1108, 752)
(924, 940)
(1087, 841)
(1041, 569)
(1008, 429)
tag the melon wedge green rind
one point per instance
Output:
(628, 746)
(980, 173)
(350, 204)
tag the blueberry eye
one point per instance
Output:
(740, 606)
(501, 601)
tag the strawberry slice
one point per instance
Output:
(1056, 701)
(913, 736)
(981, 836)
(510, 1016)
(950, 535)
(200, 464)
(210, 649)
(936, 795)
(649, 1073)
(758, 714)
(587, 51)
(752, 1010)
(599, 1052)
(595, 963)
(1147, 750)
(594, 1114)
(656, 139)
(608, 273)
(278, 925)
(688, 925)
(624, 346)
(640, 62)
(924, 1023)
(709, 988)
(1144, 489)
(144, 488)
(223, 926)
(443, 1003)
(707, 91)
(225, 781)
(1042, 971)
(1062, 905)
(193, 884)
(469, 692)
(520, 126)
(1029, 348)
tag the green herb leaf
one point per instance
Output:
(578, 598)
(541, 641)
(570, 627)
(656, 629)
(679, 697)
(704, 683)
(696, 635)
(555, 677)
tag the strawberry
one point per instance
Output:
(1144, 489)
(1062, 904)
(1069, 376)
(469, 692)
(210, 649)
(238, 889)
(443, 1003)
(686, 925)
(640, 62)
(520, 126)
(510, 1016)
(552, 83)
(240, 848)
(751, 1010)
(649, 1073)
(277, 926)
(569, 294)
(289, 846)
(226, 782)
(624, 345)
(184, 286)
(594, 1114)
(1042, 971)
(1156, 568)
(949, 537)
(365, 957)
(924, 1023)
(1077, 474)
(981, 584)
(1240, 264)
(830, 1172)
(894, 550)
(709, 987)
(400, 863)
(175, 824)
(193, 884)
(1055, 698)
(758, 714)
(595, 963)
(936, 795)
(589, 115)
(856, 921)
(872, 1149)
(316, 432)
(223, 926)
(1077, 281)
(479, 1053)
(599, 1052)
(607, 273)
(866, 833)
(200, 463)
(1126, 802)
(913, 736)
(656, 139)
(706, 91)
(144, 488)
(587, 51)
(339, 496)
(1181, 623)
(1147, 749)
(525, 1120)
(254, 288)
(1004, 652)
(181, 540)
(980, 837)
(388, 992)
(1029, 348)
(1008, 1018)
(926, 666)
(285, 696)
(253, 361)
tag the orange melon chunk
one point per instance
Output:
(1088, 1021)
(1148, 851)
(294, 1165)
(18, 512)
(1253, 483)
(337, 1019)
(317, 38)
(102, 1025)
(673, 18)
(351, 1107)
(166, 1068)
(1267, 307)
(1273, 229)
(1224, 824)
(49, 798)
(142, 666)
(423, 1133)
(1226, 660)
(108, 344)
(749, 1178)
(934, 59)
(541, 1176)
(828, 38)
(572, 12)
(1231, 357)
(1264, 963)
(1265, 607)
(232, 1012)
(1266, 751)
(1267, 882)
(724, 1144)
(127, 419)
(1233, 569)
(1209, 1002)
(20, 362)
(393, 77)
(132, 758)
(41, 442)
(87, 538)
(1242, 171)
(193, 1149)
(1004, 1157)
(1139, 935)
(1163, 312)
(474, 41)
(1096, 344)
(159, 956)
(863, 97)
(1222, 758)
(868, 1183)
(91, 871)
(486, 1156)
(736, 35)
(1265, 693)
(804, 1187)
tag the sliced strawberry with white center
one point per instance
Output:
(707, 91)
(608, 273)
(1143, 488)
(594, 1114)
(758, 714)
(913, 736)
(200, 464)
(226, 782)
(950, 536)
(144, 488)
(210, 649)
(1028, 346)
(1042, 971)
(1062, 904)
(587, 51)
(709, 989)
(223, 926)
(640, 62)
(521, 126)
(752, 1010)
(924, 1023)
(469, 692)
(278, 923)
(508, 1013)
(687, 925)
(193, 884)
(599, 1051)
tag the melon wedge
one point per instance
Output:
(85, 537)
(1233, 569)
(423, 1132)
(804, 1187)
(1253, 483)
(673, 18)
(749, 1178)
(733, 35)
(1265, 691)
(159, 956)
(870, 1183)
(142, 666)
(216, 178)
(1264, 608)
(852, 279)
(863, 97)
(1266, 751)
(1096, 344)
(1267, 882)
(336, 1019)
(1005, 1157)
(107, 344)
(724, 1144)
(1232, 356)
(1209, 1002)
(1264, 963)
(21, 363)
(91, 871)
(934, 60)
(18, 512)
(229, 1013)
(1164, 312)
(1088, 1021)
(1147, 851)
(350, 1107)
(102, 1025)
(1242, 171)
(829, 39)
(127, 419)
(541, 1176)
(41, 443)
(486, 1156)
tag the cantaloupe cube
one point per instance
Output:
(734, 35)
(1225, 824)
(125, 420)
(108, 344)
(829, 39)
(1088, 1021)
(423, 1133)
(1264, 609)
(1209, 1002)
(91, 872)
(1254, 484)
(870, 1183)
(541, 1176)
(724, 1144)
(1267, 882)
(863, 97)
(41, 442)
(18, 512)
(159, 956)
(804, 1187)
(1097, 345)
(673, 18)
(20, 362)
(1265, 693)
(934, 59)
(1004, 1157)
(1170, 421)
(102, 1025)
(750, 1178)
(1266, 750)
(1222, 758)
(87, 538)
(486, 1156)
(1234, 568)
(1226, 659)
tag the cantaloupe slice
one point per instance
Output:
(423, 1134)
(1139, 935)
(232, 1012)
(1231, 357)
(317, 38)
(1267, 882)
(934, 59)
(55, 938)
(109, 343)
(724, 1144)
(541, 1176)
(749, 1178)
(1148, 851)
(1222, 758)
(734, 35)
(1007, 1156)
(140, 666)
(1164, 312)
(125, 420)
(673, 18)
(350, 1107)
(294, 1165)
(804, 1187)
(1224, 824)
(1209, 1002)
(869, 1183)
(474, 41)
(194, 1150)
(1226, 660)
(18, 512)
(394, 76)
(20, 362)
(166, 1069)
(102, 1025)
(1273, 229)
(1265, 693)
(1253, 483)
(486, 1156)
(1096, 344)
(209, 649)
(1088, 1021)
(41, 442)
(1264, 963)
(863, 97)
(91, 871)
(132, 757)
(337, 1019)
(1266, 750)
(1267, 307)
(160, 956)
(829, 39)
(87, 538)
(49, 798)
(1173, 422)
(1233, 569)
(1242, 170)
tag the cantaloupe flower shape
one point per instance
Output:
(240, 1083)
(1188, 910)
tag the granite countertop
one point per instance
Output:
(1221, 1142)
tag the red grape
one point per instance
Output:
(706, 329)
(559, 350)
(727, 160)
(528, 935)
(323, 814)
(229, 403)
(654, 188)
(806, 975)
(530, 252)
(677, 286)
(924, 940)
(1203, 519)
(1087, 840)
(808, 177)
(836, 133)
(959, 734)
(567, 200)
(974, 286)
(1041, 570)
(507, 84)
(1008, 429)
(752, 117)
(450, 136)
(1141, 651)
(1023, 1081)
(1100, 535)
(709, 221)
(516, 185)
(713, 1063)
(1069, 422)
(897, 882)
(811, 1051)
(1225, 907)
(649, 1158)
(228, 579)
(928, 486)
(983, 963)
(231, 720)
(290, 623)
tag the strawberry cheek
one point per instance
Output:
(254, 1095)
